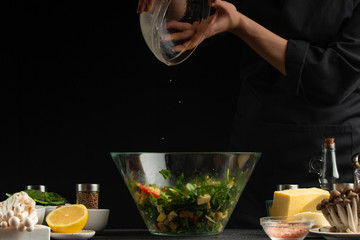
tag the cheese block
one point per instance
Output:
(40, 232)
(319, 219)
(292, 201)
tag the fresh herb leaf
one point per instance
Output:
(179, 182)
(166, 173)
(132, 183)
(190, 187)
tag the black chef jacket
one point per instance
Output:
(287, 118)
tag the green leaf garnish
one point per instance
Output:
(166, 173)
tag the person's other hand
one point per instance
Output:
(224, 19)
(145, 6)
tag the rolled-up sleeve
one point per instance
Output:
(328, 74)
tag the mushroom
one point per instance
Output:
(335, 218)
(334, 194)
(342, 210)
(346, 190)
(18, 212)
(351, 223)
(332, 229)
(354, 203)
(325, 207)
(325, 212)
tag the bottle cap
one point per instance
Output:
(87, 187)
(42, 188)
(281, 187)
(329, 142)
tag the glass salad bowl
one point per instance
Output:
(173, 28)
(185, 193)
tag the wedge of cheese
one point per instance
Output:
(319, 219)
(294, 201)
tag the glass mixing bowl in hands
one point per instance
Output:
(173, 29)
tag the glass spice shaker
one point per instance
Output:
(88, 195)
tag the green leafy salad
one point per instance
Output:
(202, 205)
(44, 198)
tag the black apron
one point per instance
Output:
(287, 118)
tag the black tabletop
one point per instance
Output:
(228, 234)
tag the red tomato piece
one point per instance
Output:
(150, 190)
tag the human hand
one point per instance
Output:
(145, 6)
(190, 35)
(224, 19)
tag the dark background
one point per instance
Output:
(79, 82)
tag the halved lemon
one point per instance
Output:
(67, 219)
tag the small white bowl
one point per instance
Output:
(49, 209)
(40, 210)
(97, 219)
